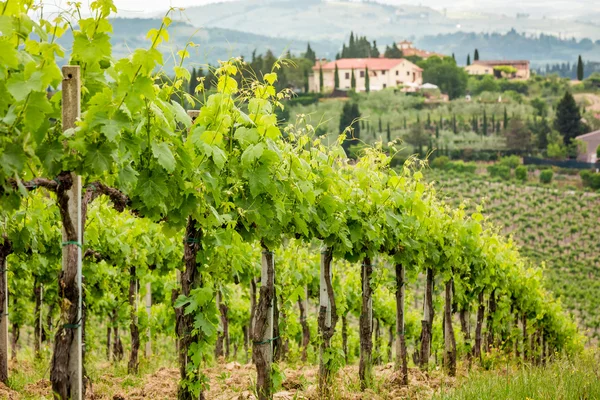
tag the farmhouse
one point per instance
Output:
(592, 141)
(383, 73)
(409, 50)
(518, 69)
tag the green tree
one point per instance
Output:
(476, 55)
(380, 125)
(348, 123)
(389, 133)
(306, 81)
(393, 52)
(321, 78)
(367, 81)
(518, 136)
(444, 73)
(193, 81)
(336, 78)
(454, 127)
(453, 57)
(485, 123)
(579, 69)
(468, 59)
(417, 137)
(310, 54)
(353, 80)
(568, 119)
(375, 50)
(505, 125)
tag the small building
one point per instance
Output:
(408, 50)
(477, 69)
(494, 67)
(383, 73)
(592, 141)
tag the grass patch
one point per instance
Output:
(564, 379)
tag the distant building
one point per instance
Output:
(383, 73)
(592, 141)
(491, 67)
(409, 50)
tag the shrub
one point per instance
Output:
(590, 179)
(511, 161)
(546, 176)
(440, 162)
(462, 167)
(521, 173)
(499, 171)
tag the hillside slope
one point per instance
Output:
(333, 19)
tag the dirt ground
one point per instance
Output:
(234, 381)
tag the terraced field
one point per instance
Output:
(558, 227)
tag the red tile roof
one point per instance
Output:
(501, 62)
(374, 64)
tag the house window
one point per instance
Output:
(397, 73)
(407, 73)
(347, 75)
(382, 72)
(362, 74)
(384, 85)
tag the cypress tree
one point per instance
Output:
(493, 123)
(389, 133)
(367, 80)
(320, 78)
(306, 81)
(485, 126)
(580, 69)
(428, 121)
(453, 57)
(437, 131)
(336, 78)
(353, 80)
(193, 82)
(468, 59)
(476, 55)
(374, 50)
(310, 54)
(351, 46)
(454, 127)
(568, 118)
(505, 125)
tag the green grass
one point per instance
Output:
(563, 379)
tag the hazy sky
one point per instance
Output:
(536, 7)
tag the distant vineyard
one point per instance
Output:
(558, 227)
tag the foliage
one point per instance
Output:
(521, 173)
(568, 118)
(444, 73)
(546, 176)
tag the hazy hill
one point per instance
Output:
(332, 19)
(212, 43)
(541, 50)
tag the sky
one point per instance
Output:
(144, 8)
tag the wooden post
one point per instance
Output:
(149, 312)
(70, 334)
(4, 321)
